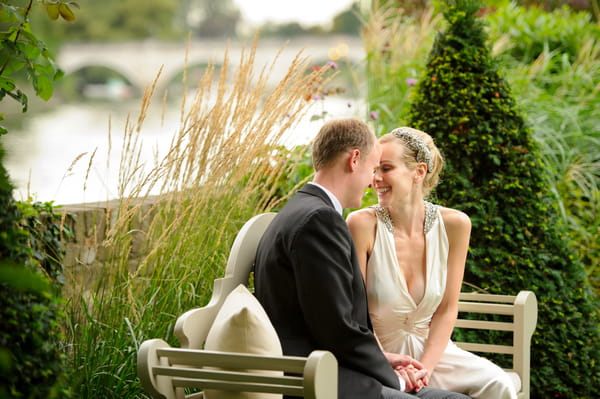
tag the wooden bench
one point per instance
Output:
(521, 311)
(167, 372)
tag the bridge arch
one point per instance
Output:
(141, 61)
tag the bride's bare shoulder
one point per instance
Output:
(362, 218)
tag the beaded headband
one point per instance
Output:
(416, 144)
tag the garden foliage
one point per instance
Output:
(494, 174)
(31, 350)
(558, 91)
(531, 31)
(32, 360)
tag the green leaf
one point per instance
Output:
(21, 278)
(31, 51)
(7, 84)
(10, 14)
(45, 69)
(58, 74)
(43, 87)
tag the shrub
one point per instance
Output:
(495, 175)
(31, 357)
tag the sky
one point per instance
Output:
(305, 12)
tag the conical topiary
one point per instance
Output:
(493, 173)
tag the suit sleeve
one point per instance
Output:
(327, 283)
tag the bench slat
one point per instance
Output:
(474, 296)
(227, 375)
(237, 386)
(485, 325)
(489, 308)
(486, 348)
(291, 364)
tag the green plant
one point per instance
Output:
(494, 174)
(560, 100)
(532, 30)
(31, 338)
(23, 52)
(396, 45)
(31, 361)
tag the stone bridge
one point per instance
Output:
(140, 62)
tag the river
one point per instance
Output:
(48, 157)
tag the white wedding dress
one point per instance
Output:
(402, 325)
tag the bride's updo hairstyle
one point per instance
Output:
(419, 148)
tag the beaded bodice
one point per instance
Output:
(430, 215)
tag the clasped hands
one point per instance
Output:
(410, 370)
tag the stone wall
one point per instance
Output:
(86, 253)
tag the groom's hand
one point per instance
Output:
(410, 370)
(414, 379)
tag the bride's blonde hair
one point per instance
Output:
(420, 148)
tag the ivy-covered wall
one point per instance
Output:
(494, 174)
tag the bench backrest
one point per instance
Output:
(522, 312)
(192, 327)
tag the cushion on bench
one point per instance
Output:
(242, 326)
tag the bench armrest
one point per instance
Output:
(164, 372)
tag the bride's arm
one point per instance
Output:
(362, 225)
(458, 228)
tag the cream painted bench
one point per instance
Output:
(166, 372)
(521, 311)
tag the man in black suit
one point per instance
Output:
(308, 279)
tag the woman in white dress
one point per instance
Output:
(412, 255)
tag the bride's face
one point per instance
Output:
(392, 179)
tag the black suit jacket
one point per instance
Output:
(308, 280)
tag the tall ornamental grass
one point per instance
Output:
(562, 101)
(396, 45)
(217, 173)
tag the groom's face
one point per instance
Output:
(364, 176)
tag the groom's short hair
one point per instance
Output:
(338, 136)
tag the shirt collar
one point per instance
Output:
(336, 203)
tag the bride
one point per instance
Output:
(412, 255)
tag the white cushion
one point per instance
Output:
(242, 325)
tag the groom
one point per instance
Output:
(308, 279)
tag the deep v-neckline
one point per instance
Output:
(384, 216)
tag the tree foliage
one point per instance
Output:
(114, 20)
(21, 52)
(494, 174)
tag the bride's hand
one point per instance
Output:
(397, 360)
